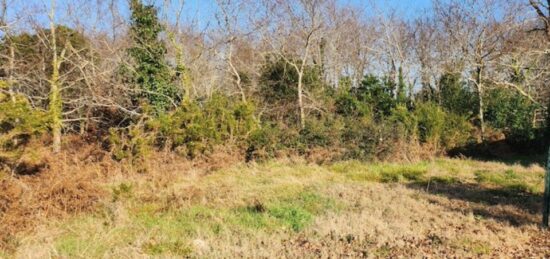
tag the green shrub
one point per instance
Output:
(271, 137)
(278, 90)
(456, 97)
(360, 137)
(346, 104)
(323, 132)
(19, 123)
(447, 129)
(265, 141)
(457, 131)
(196, 127)
(431, 121)
(405, 121)
(378, 93)
(511, 113)
(132, 144)
(186, 130)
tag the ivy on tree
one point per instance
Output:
(150, 73)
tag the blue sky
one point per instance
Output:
(410, 8)
(201, 10)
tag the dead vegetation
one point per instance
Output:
(51, 186)
(289, 208)
(68, 186)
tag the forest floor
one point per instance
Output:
(441, 208)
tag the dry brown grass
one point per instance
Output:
(68, 186)
(81, 207)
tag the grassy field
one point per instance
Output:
(292, 209)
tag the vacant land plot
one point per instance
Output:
(445, 207)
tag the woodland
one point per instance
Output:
(92, 92)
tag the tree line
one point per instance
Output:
(267, 77)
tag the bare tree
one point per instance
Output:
(298, 28)
(347, 45)
(228, 20)
(479, 34)
(55, 102)
(543, 11)
(426, 40)
(5, 28)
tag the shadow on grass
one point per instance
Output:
(504, 152)
(517, 206)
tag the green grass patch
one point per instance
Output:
(167, 247)
(386, 173)
(251, 218)
(402, 174)
(294, 217)
(497, 178)
(507, 180)
(86, 236)
(186, 222)
(312, 202)
(295, 212)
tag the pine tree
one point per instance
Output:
(151, 72)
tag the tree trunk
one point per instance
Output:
(241, 89)
(11, 80)
(55, 105)
(546, 199)
(11, 72)
(235, 72)
(301, 101)
(479, 85)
